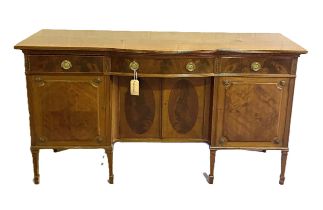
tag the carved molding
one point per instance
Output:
(223, 140)
(95, 83)
(42, 139)
(40, 82)
(281, 84)
(276, 140)
(99, 139)
(226, 83)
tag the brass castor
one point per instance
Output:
(36, 180)
(281, 180)
(210, 179)
(110, 180)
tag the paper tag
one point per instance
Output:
(134, 87)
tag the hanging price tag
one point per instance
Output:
(134, 85)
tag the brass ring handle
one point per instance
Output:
(255, 66)
(66, 64)
(134, 65)
(190, 66)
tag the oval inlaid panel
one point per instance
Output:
(183, 106)
(140, 110)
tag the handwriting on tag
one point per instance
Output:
(134, 87)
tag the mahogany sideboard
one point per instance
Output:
(229, 90)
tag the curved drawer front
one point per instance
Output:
(65, 63)
(255, 65)
(163, 65)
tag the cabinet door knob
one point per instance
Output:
(134, 65)
(255, 66)
(190, 66)
(66, 64)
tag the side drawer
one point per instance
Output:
(162, 65)
(65, 63)
(252, 65)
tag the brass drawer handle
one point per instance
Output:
(190, 66)
(134, 65)
(66, 64)
(255, 66)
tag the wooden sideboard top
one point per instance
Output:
(162, 42)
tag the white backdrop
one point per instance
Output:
(162, 176)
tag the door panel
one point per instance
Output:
(140, 115)
(251, 111)
(68, 110)
(186, 108)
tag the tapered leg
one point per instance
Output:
(35, 154)
(109, 152)
(283, 167)
(212, 160)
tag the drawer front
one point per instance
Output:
(65, 63)
(253, 65)
(163, 65)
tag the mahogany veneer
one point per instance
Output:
(231, 91)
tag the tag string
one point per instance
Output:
(135, 76)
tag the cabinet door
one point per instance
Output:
(67, 110)
(251, 111)
(139, 115)
(186, 104)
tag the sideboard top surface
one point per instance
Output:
(163, 42)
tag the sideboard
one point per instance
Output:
(90, 89)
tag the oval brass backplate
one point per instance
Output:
(134, 65)
(66, 64)
(190, 66)
(255, 66)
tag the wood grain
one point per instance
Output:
(140, 110)
(139, 115)
(68, 110)
(184, 108)
(269, 65)
(52, 63)
(222, 102)
(251, 110)
(163, 42)
(162, 65)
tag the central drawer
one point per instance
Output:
(162, 65)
